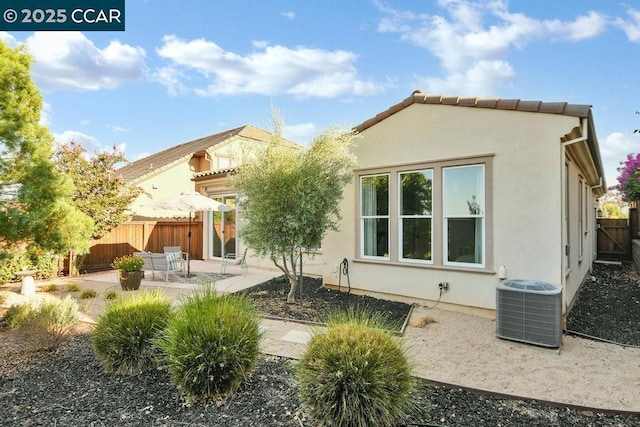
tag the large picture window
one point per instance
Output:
(375, 215)
(416, 215)
(463, 213)
(432, 214)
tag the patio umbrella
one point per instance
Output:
(189, 201)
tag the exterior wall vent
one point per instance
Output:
(529, 311)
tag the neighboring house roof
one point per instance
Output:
(141, 168)
(213, 173)
(580, 111)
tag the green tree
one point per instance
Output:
(290, 197)
(99, 192)
(612, 211)
(35, 199)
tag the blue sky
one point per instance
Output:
(183, 70)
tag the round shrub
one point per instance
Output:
(124, 338)
(355, 374)
(211, 344)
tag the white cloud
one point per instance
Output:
(614, 149)
(69, 60)
(8, 39)
(484, 78)
(303, 72)
(472, 40)
(631, 27)
(260, 44)
(171, 78)
(45, 114)
(301, 133)
(89, 143)
(116, 128)
(289, 15)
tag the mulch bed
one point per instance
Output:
(67, 387)
(315, 303)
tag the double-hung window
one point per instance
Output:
(415, 225)
(375, 216)
(431, 214)
(463, 213)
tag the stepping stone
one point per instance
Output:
(297, 337)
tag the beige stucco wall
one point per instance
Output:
(526, 185)
(579, 264)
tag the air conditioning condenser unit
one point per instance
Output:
(529, 311)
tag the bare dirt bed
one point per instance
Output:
(66, 387)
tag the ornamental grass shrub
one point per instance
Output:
(45, 324)
(17, 314)
(211, 344)
(52, 321)
(88, 294)
(356, 373)
(124, 338)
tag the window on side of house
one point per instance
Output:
(416, 216)
(374, 220)
(224, 162)
(581, 217)
(464, 215)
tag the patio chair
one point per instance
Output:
(180, 257)
(231, 259)
(165, 263)
(148, 265)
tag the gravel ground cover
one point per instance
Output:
(608, 305)
(66, 387)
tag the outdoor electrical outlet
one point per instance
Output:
(443, 286)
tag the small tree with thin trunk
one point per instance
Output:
(290, 196)
(99, 192)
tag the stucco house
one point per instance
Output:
(167, 173)
(468, 191)
(455, 190)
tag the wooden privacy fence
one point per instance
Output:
(614, 239)
(138, 236)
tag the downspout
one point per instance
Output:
(593, 187)
(594, 239)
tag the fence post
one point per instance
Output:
(633, 222)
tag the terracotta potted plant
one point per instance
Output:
(130, 267)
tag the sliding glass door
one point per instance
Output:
(222, 238)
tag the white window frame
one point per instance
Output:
(401, 218)
(438, 233)
(445, 219)
(581, 217)
(375, 217)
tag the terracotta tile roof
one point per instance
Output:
(417, 97)
(145, 166)
(205, 174)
